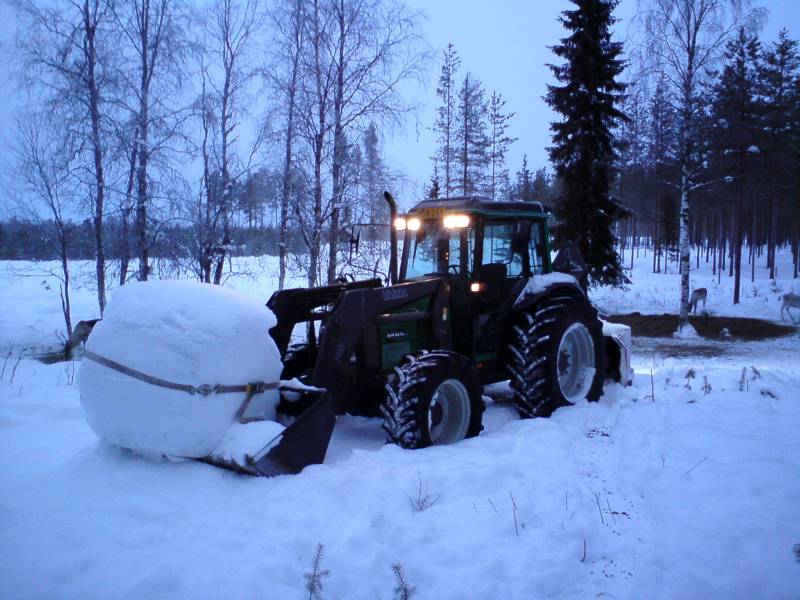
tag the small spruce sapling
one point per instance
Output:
(706, 386)
(403, 590)
(689, 376)
(316, 575)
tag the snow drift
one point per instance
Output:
(183, 332)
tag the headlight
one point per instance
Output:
(456, 221)
(413, 224)
(400, 223)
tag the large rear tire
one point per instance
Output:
(434, 398)
(557, 356)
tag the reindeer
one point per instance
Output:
(697, 295)
(79, 336)
(790, 301)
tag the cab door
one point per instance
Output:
(504, 266)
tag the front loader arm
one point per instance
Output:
(305, 441)
(355, 311)
(300, 305)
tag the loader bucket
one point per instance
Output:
(302, 443)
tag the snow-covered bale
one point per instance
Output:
(182, 332)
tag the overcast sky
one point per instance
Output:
(502, 42)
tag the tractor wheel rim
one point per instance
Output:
(448, 413)
(575, 364)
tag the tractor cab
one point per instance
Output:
(485, 243)
(486, 252)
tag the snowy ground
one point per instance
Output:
(657, 491)
(656, 293)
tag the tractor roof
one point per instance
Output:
(482, 205)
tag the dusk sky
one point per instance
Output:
(504, 43)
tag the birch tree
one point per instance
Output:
(149, 65)
(316, 91)
(375, 48)
(227, 72)
(62, 48)
(686, 38)
(288, 20)
(44, 164)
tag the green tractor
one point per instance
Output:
(471, 299)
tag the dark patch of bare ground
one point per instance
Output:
(712, 330)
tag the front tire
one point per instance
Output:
(434, 398)
(557, 356)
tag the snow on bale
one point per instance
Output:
(183, 332)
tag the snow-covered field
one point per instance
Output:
(656, 293)
(657, 491)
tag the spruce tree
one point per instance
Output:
(433, 188)
(780, 117)
(583, 145)
(735, 152)
(472, 143)
(445, 125)
(499, 143)
(540, 187)
(375, 176)
(523, 188)
(662, 161)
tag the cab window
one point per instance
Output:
(537, 248)
(497, 248)
(437, 250)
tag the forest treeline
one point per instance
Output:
(745, 161)
(151, 118)
(196, 132)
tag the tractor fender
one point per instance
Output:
(539, 287)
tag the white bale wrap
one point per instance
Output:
(183, 332)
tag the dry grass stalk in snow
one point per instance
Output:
(424, 499)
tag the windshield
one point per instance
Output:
(435, 249)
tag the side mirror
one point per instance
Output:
(569, 260)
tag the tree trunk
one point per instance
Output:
(65, 300)
(773, 233)
(125, 248)
(141, 175)
(338, 149)
(737, 249)
(683, 245)
(283, 235)
(90, 26)
(752, 241)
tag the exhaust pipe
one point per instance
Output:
(392, 238)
